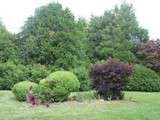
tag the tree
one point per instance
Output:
(116, 28)
(52, 36)
(8, 48)
(149, 54)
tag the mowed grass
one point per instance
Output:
(137, 106)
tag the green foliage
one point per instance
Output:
(144, 79)
(81, 96)
(52, 36)
(20, 89)
(126, 56)
(83, 76)
(36, 72)
(61, 84)
(8, 48)
(44, 93)
(116, 30)
(10, 74)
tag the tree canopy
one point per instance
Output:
(116, 30)
(53, 36)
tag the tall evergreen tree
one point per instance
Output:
(52, 36)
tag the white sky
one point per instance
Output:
(14, 12)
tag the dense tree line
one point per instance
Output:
(54, 40)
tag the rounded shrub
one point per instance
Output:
(61, 84)
(143, 79)
(20, 89)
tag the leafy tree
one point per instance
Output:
(8, 48)
(52, 36)
(149, 54)
(116, 30)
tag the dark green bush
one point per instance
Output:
(37, 72)
(126, 56)
(81, 96)
(83, 76)
(20, 89)
(61, 84)
(143, 79)
(10, 74)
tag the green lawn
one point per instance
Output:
(142, 106)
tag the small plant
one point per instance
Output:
(35, 99)
(109, 79)
(82, 96)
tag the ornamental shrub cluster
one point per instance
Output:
(53, 40)
(110, 78)
(143, 79)
(54, 88)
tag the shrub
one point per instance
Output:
(126, 56)
(143, 79)
(37, 72)
(44, 93)
(10, 74)
(109, 79)
(20, 89)
(61, 84)
(83, 76)
(81, 96)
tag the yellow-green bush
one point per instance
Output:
(20, 89)
(61, 84)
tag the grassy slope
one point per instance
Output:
(145, 106)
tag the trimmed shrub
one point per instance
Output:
(143, 79)
(20, 89)
(83, 76)
(10, 74)
(81, 96)
(109, 79)
(37, 72)
(61, 84)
